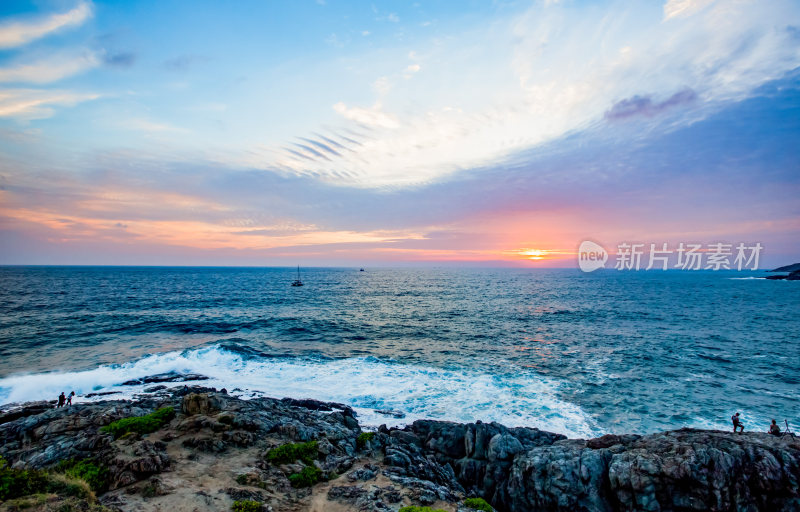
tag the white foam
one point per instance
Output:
(365, 384)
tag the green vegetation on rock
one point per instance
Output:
(291, 452)
(141, 424)
(247, 506)
(414, 508)
(307, 477)
(18, 483)
(15, 483)
(478, 504)
(87, 470)
(363, 438)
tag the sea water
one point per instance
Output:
(561, 350)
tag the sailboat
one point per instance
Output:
(297, 282)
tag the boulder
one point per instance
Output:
(202, 403)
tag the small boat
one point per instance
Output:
(297, 282)
(361, 270)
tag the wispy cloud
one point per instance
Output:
(373, 116)
(29, 104)
(572, 73)
(677, 8)
(411, 70)
(120, 60)
(51, 69)
(149, 126)
(184, 62)
(17, 33)
(645, 106)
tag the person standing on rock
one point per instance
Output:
(736, 423)
(69, 398)
(61, 400)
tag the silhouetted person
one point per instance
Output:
(774, 429)
(736, 423)
(61, 400)
(69, 398)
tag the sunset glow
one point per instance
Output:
(333, 133)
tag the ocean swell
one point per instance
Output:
(367, 384)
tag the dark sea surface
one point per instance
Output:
(582, 354)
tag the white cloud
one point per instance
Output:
(411, 69)
(49, 70)
(373, 117)
(18, 33)
(28, 104)
(570, 69)
(148, 126)
(382, 86)
(677, 8)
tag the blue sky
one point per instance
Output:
(390, 133)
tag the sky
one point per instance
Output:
(476, 133)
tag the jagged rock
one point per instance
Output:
(610, 440)
(368, 472)
(347, 493)
(13, 412)
(205, 444)
(239, 494)
(104, 393)
(239, 438)
(165, 377)
(680, 470)
(146, 459)
(515, 469)
(201, 403)
(394, 413)
(503, 447)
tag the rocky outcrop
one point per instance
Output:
(680, 470)
(215, 450)
(526, 469)
(791, 276)
(794, 267)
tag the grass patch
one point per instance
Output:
(291, 452)
(414, 508)
(140, 424)
(363, 438)
(306, 478)
(64, 485)
(18, 483)
(478, 504)
(34, 500)
(251, 479)
(87, 470)
(247, 506)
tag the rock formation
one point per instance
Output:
(218, 449)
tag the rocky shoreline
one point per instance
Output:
(206, 450)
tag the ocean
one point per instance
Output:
(560, 350)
